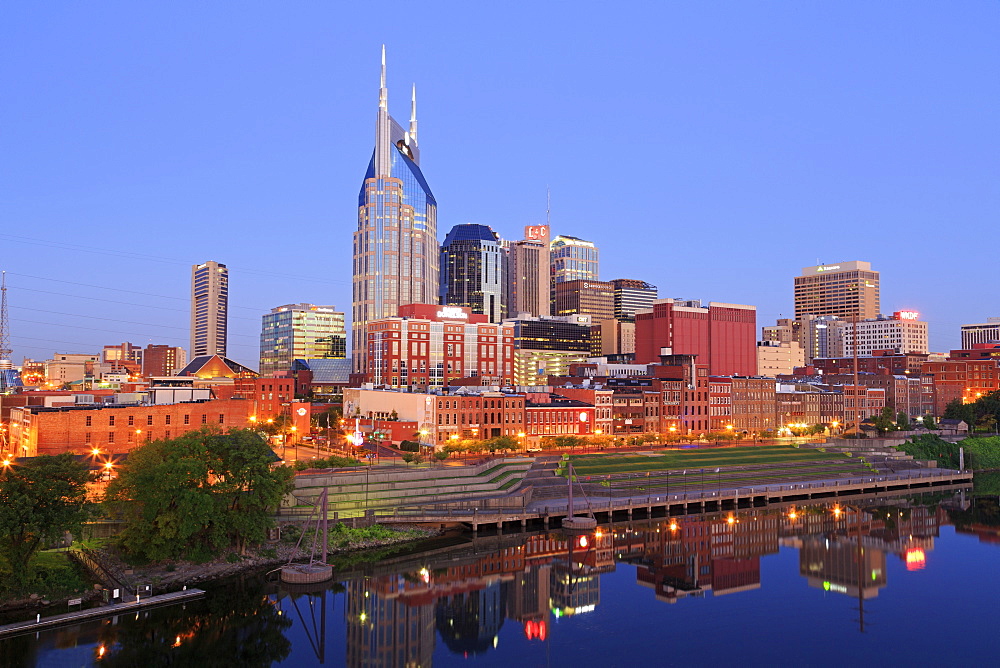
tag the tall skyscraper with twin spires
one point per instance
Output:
(395, 246)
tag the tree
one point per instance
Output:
(441, 455)
(902, 420)
(928, 421)
(196, 495)
(884, 422)
(956, 410)
(39, 501)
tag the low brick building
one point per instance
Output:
(115, 429)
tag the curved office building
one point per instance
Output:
(395, 245)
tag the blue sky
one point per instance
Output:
(711, 148)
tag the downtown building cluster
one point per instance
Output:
(478, 336)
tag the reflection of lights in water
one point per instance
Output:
(915, 559)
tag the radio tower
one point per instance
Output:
(5, 350)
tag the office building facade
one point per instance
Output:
(429, 346)
(396, 250)
(209, 309)
(546, 347)
(572, 259)
(530, 273)
(986, 332)
(632, 296)
(474, 271)
(593, 298)
(300, 331)
(845, 290)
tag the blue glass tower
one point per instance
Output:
(474, 271)
(395, 245)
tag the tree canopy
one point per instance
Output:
(197, 495)
(39, 500)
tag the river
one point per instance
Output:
(904, 581)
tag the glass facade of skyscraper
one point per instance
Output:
(300, 331)
(395, 245)
(474, 271)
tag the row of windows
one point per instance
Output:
(89, 420)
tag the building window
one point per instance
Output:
(89, 420)
(86, 438)
(187, 419)
(166, 420)
(111, 437)
(222, 418)
(131, 420)
(149, 419)
(166, 434)
(204, 418)
(111, 420)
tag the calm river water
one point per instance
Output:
(906, 582)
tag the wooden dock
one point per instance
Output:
(114, 609)
(606, 509)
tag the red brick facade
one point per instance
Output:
(118, 429)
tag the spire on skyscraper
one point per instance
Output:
(5, 351)
(413, 115)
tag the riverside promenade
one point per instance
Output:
(550, 512)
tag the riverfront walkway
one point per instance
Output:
(30, 626)
(606, 508)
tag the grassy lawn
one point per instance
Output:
(691, 459)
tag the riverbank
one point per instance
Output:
(345, 545)
(170, 576)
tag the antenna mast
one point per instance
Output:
(5, 350)
(548, 207)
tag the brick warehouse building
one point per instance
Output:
(116, 429)
(723, 336)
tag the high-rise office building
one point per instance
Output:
(300, 331)
(530, 273)
(209, 309)
(901, 333)
(593, 298)
(395, 246)
(844, 290)
(986, 332)
(474, 271)
(631, 296)
(573, 260)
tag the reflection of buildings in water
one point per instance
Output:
(832, 564)
(469, 622)
(528, 593)
(574, 589)
(384, 629)
(718, 553)
(829, 546)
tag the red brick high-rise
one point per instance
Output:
(723, 336)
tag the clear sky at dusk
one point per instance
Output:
(711, 148)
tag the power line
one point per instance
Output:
(153, 258)
(105, 287)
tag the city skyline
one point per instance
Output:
(123, 165)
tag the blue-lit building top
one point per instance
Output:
(395, 245)
(474, 271)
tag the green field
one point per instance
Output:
(670, 460)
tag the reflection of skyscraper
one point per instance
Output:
(474, 271)
(837, 565)
(574, 588)
(209, 309)
(395, 246)
(382, 631)
(528, 595)
(469, 622)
